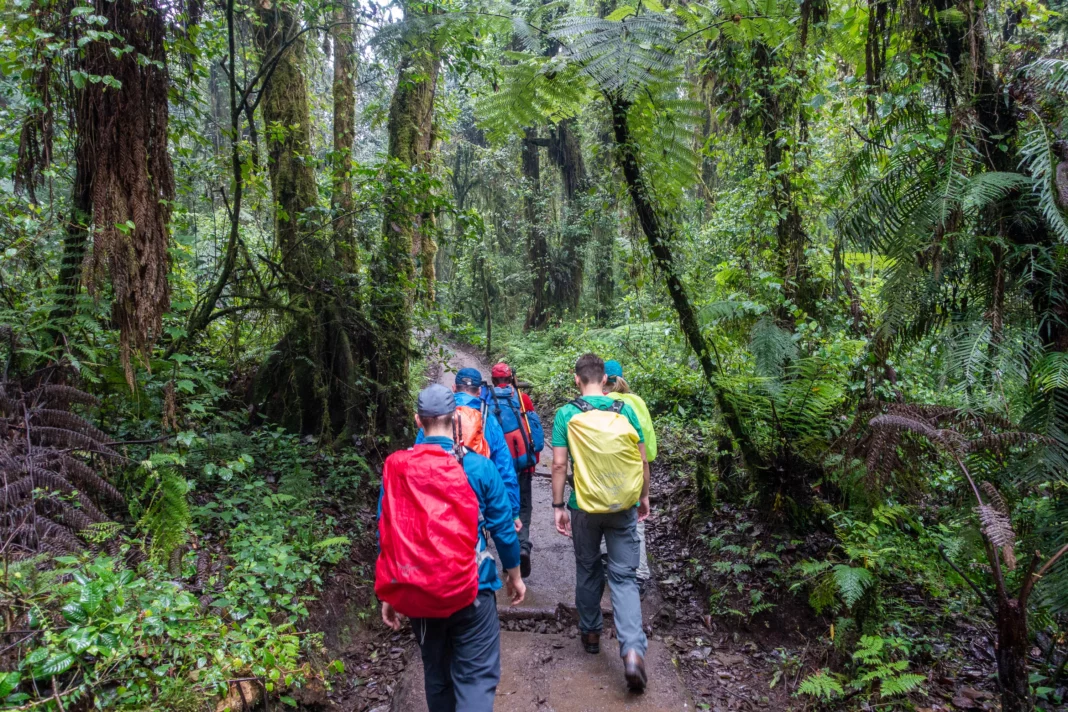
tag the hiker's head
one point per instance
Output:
(614, 383)
(468, 380)
(589, 371)
(502, 374)
(434, 410)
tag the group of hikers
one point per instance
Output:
(469, 478)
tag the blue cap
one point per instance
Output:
(468, 377)
(613, 369)
(434, 401)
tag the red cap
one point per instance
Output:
(501, 370)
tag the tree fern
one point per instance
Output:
(622, 56)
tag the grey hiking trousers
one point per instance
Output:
(644, 574)
(620, 533)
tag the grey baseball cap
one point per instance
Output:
(435, 400)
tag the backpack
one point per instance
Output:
(428, 534)
(524, 439)
(467, 425)
(607, 463)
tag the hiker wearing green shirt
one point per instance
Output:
(616, 387)
(610, 495)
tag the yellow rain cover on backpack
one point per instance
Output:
(607, 463)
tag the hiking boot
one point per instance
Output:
(634, 671)
(524, 564)
(591, 643)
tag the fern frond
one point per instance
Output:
(771, 346)
(987, 188)
(1053, 73)
(66, 420)
(56, 395)
(166, 517)
(852, 582)
(821, 686)
(996, 500)
(1038, 159)
(996, 526)
(900, 684)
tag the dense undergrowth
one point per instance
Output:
(228, 604)
(865, 596)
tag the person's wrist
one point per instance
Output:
(559, 505)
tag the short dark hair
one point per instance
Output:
(470, 390)
(590, 368)
(502, 380)
(437, 422)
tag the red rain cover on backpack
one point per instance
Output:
(428, 534)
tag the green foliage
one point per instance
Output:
(137, 640)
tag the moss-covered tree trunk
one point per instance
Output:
(660, 234)
(307, 381)
(410, 128)
(565, 151)
(342, 35)
(776, 120)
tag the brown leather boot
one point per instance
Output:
(634, 671)
(591, 642)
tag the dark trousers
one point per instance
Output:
(461, 657)
(526, 506)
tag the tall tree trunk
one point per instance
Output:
(297, 377)
(537, 246)
(565, 152)
(123, 175)
(344, 89)
(603, 228)
(660, 233)
(410, 126)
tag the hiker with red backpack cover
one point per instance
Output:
(438, 500)
(522, 429)
(481, 434)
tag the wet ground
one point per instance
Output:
(549, 671)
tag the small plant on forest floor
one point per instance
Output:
(881, 666)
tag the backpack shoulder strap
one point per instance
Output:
(617, 406)
(582, 404)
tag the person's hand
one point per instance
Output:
(643, 508)
(517, 590)
(518, 524)
(563, 521)
(390, 617)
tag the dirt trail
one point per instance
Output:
(543, 666)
